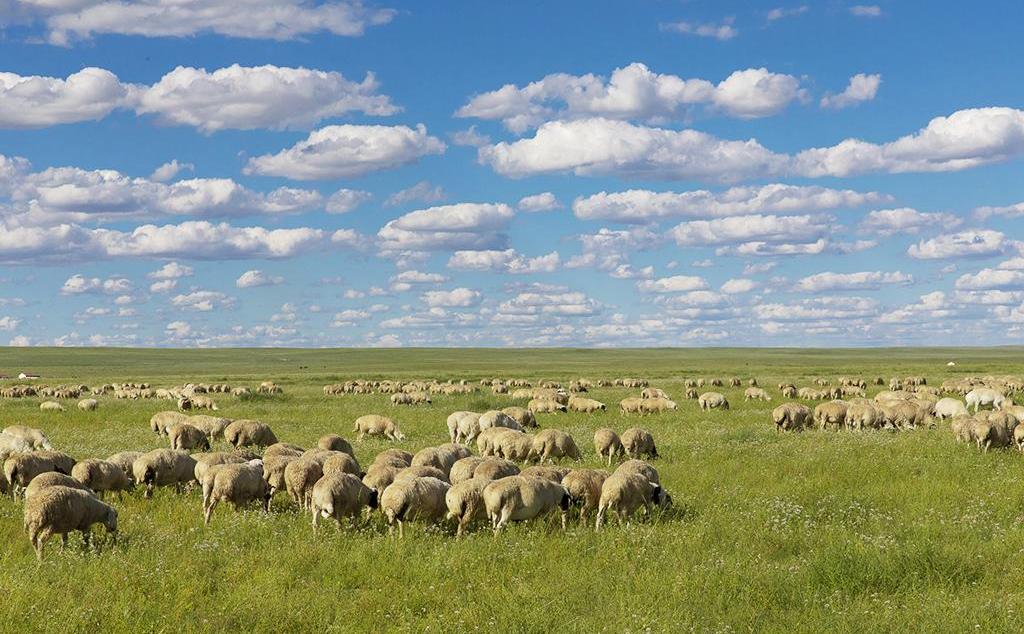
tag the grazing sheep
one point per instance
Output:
(712, 400)
(50, 479)
(520, 498)
(249, 433)
(342, 462)
(125, 460)
(550, 444)
(791, 417)
(495, 469)
(584, 487)
(273, 471)
(206, 460)
(640, 467)
(464, 501)
(20, 469)
(949, 408)
(58, 510)
(1018, 438)
(989, 433)
(829, 414)
(486, 439)
(299, 476)
(319, 456)
(607, 443)
(442, 457)
(523, 416)
(638, 442)
(164, 467)
(51, 406)
(283, 449)
(88, 405)
(546, 472)
(376, 425)
(334, 442)
(379, 476)
(161, 422)
(862, 414)
(237, 483)
(10, 445)
(513, 445)
(455, 433)
(586, 405)
(340, 495)
(962, 427)
(622, 494)
(755, 394)
(984, 396)
(212, 426)
(102, 476)
(463, 469)
(186, 437)
(498, 418)
(546, 406)
(414, 499)
(393, 457)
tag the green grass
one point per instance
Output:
(812, 532)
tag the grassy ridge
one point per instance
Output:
(804, 532)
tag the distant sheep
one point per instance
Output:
(375, 425)
(249, 433)
(713, 400)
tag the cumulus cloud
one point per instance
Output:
(819, 309)
(281, 20)
(973, 243)
(348, 151)
(418, 277)
(8, 323)
(545, 300)
(171, 271)
(674, 284)
(754, 228)
(202, 301)
(422, 191)
(545, 201)
(246, 98)
(738, 286)
(462, 226)
(632, 92)
(991, 279)
(888, 222)
(38, 102)
(785, 12)
(1007, 211)
(168, 171)
(256, 277)
(866, 10)
(643, 206)
(861, 88)
(862, 280)
(78, 284)
(721, 32)
(457, 297)
(470, 137)
(163, 286)
(346, 200)
(507, 261)
(178, 329)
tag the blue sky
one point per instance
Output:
(505, 174)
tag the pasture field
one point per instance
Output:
(803, 532)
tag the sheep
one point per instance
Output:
(125, 460)
(586, 405)
(51, 406)
(319, 456)
(520, 498)
(414, 499)
(161, 422)
(379, 476)
(463, 469)
(584, 487)
(1018, 438)
(498, 418)
(19, 469)
(523, 416)
(546, 472)
(640, 467)
(34, 437)
(712, 400)
(10, 445)
(512, 445)
(342, 462)
(550, 444)
(990, 433)
(376, 425)
(393, 457)
(862, 414)
(299, 476)
(962, 427)
(485, 441)
(495, 469)
(623, 493)
(206, 460)
(831, 413)
(340, 495)
(60, 510)
(455, 433)
(186, 437)
(237, 483)
(638, 442)
(283, 449)
(442, 457)
(249, 433)
(164, 467)
(212, 426)
(545, 406)
(197, 402)
(273, 471)
(755, 394)
(949, 408)
(88, 405)
(464, 501)
(102, 476)
(985, 396)
(654, 392)
(49, 479)
(608, 443)
(791, 417)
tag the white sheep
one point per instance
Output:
(376, 425)
(623, 493)
(519, 498)
(102, 476)
(164, 467)
(246, 433)
(187, 437)
(58, 510)
(607, 443)
(340, 495)
(465, 503)
(985, 396)
(88, 405)
(300, 476)
(35, 437)
(638, 443)
(237, 483)
(415, 499)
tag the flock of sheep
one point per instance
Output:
(513, 476)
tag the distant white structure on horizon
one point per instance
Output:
(28, 375)
(951, 364)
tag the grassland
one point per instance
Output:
(808, 532)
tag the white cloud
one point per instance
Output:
(550, 301)
(738, 286)
(348, 318)
(168, 171)
(989, 279)
(462, 226)
(20, 341)
(507, 261)
(422, 191)
(722, 32)
(761, 248)
(866, 10)
(1013, 264)
(38, 102)
(1007, 211)
(545, 201)
(67, 21)
(783, 12)
(861, 88)
(348, 151)
(674, 284)
(470, 137)
(631, 92)
(755, 228)
(164, 286)
(829, 281)
(346, 200)
(8, 323)
(246, 98)
(758, 268)
(818, 309)
(888, 222)
(642, 206)
(256, 277)
(202, 301)
(972, 243)
(457, 297)
(171, 271)
(78, 284)
(178, 329)
(933, 305)
(418, 277)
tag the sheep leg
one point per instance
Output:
(316, 515)
(401, 529)
(41, 540)
(209, 510)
